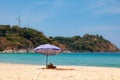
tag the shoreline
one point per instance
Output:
(66, 52)
(9, 71)
(60, 65)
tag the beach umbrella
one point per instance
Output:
(47, 49)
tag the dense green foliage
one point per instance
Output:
(21, 37)
(92, 43)
(15, 38)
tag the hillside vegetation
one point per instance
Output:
(16, 38)
(92, 43)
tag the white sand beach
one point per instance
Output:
(36, 72)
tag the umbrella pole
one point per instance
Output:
(46, 58)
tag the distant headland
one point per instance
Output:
(15, 39)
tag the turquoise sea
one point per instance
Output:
(75, 59)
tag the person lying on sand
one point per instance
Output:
(51, 66)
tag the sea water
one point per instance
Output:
(69, 59)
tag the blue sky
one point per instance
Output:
(65, 17)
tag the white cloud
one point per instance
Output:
(98, 4)
(108, 10)
(55, 3)
(42, 3)
(106, 7)
(62, 3)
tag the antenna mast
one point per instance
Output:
(19, 20)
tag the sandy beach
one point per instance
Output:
(36, 72)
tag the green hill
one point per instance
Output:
(90, 43)
(16, 38)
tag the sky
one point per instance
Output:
(65, 18)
